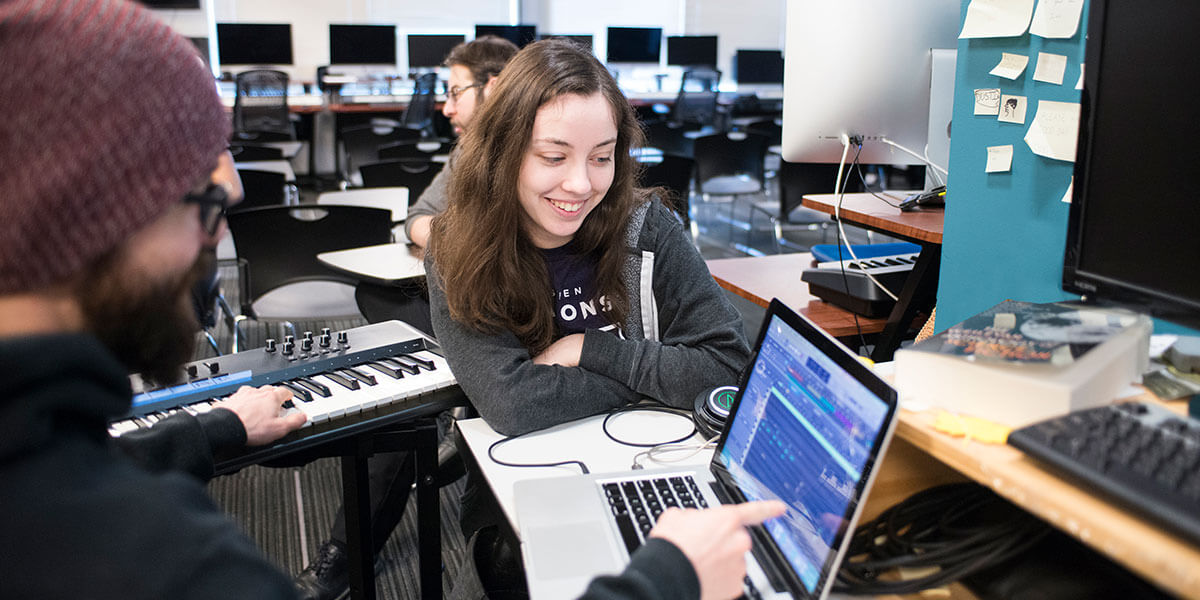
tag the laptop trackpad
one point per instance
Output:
(558, 551)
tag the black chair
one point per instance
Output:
(415, 150)
(278, 247)
(670, 138)
(771, 128)
(248, 152)
(696, 104)
(419, 114)
(208, 301)
(360, 144)
(260, 107)
(673, 173)
(796, 180)
(730, 164)
(415, 175)
(264, 188)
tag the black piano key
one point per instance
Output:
(418, 361)
(386, 369)
(346, 382)
(360, 375)
(409, 368)
(303, 394)
(317, 387)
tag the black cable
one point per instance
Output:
(958, 528)
(655, 406)
(493, 458)
(862, 178)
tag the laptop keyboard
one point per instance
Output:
(636, 504)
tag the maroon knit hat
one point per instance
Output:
(107, 118)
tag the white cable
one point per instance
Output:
(665, 448)
(837, 216)
(925, 158)
(837, 185)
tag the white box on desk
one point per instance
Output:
(1018, 394)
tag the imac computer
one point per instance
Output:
(861, 69)
(362, 44)
(692, 51)
(634, 45)
(429, 50)
(254, 43)
(1133, 233)
(517, 34)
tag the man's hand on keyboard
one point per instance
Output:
(715, 540)
(261, 412)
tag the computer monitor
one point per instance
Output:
(583, 40)
(430, 50)
(758, 66)
(254, 43)
(861, 68)
(1133, 233)
(692, 50)
(362, 44)
(634, 44)
(517, 34)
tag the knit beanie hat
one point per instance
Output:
(107, 119)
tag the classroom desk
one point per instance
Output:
(385, 264)
(922, 227)
(760, 278)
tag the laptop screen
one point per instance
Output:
(804, 431)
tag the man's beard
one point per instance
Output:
(150, 326)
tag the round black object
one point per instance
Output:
(711, 409)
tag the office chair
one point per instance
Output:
(730, 164)
(416, 175)
(796, 180)
(425, 149)
(254, 152)
(392, 199)
(673, 173)
(419, 114)
(696, 104)
(265, 188)
(260, 107)
(360, 144)
(670, 138)
(282, 279)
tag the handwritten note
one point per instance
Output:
(1050, 68)
(1056, 18)
(1010, 66)
(999, 159)
(996, 18)
(1054, 130)
(1012, 109)
(987, 101)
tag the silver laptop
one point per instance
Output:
(808, 426)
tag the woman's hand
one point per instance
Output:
(565, 352)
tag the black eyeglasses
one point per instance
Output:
(453, 93)
(212, 201)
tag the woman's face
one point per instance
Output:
(568, 168)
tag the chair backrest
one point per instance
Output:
(772, 128)
(412, 174)
(280, 244)
(419, 114)
(261, 188)
(254, 152)
(696, 103)
(415, 150)
(669, 137)
(260, 103)
(392, 199)
(798, 179)
(360, 143)
(733, 154)
(675, 174)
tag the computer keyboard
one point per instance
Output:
(637, 503)
(1143, 454)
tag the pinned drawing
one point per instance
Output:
(987, 101)
(1012, 109)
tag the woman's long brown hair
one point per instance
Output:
(495, 279)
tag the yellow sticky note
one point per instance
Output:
(973, 428)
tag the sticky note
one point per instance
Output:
(1054, 130)
(996, 18)
(1070, 191)
(999, 159)
(1010, 66)
(1056, 18)
(987, 101)
(1050, 68)
(1079, 84)
(1012, 109)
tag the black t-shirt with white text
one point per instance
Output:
(577, 304)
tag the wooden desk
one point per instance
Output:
(760, 278)
(920, 457)
(922, 227)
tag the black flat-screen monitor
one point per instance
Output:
(362, 44)
(634, 44)
(583, 40)
(693, 51)
(1133, 234)
(758, 66)
(517, 34)
(254, 43)
(430, 50)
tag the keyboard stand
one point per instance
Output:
(420, 437)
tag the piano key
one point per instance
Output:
(360, 375)
(409, 368)
(314, 385)
(342, 380)
(416, 361)
(299, 392)
(386, 369)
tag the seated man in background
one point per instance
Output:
(114, 181)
